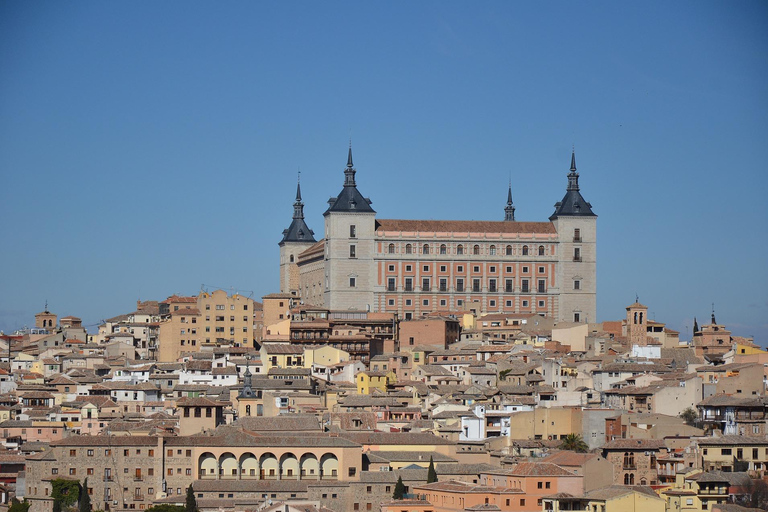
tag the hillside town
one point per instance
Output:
(404, 366)
(296, 406)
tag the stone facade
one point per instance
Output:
(417, 267)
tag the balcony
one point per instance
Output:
(391, 288)
(577, 239)
(138, 497)
(577, 258)
(138, 478)
(425, 288)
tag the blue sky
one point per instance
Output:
(149, 148)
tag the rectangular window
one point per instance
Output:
(475, 285)
(509, 303)
(391, 284)
(425, 268)
(541, 303)
(408, 302)
(391, 268)
(525, 303)
(352, 282)
(577, 235)
(408, 268)
(577, 285)
(391, 302)
(352, 251)
(509, 285)
(459, 285)
(408, 284)
(492, 270)
(443, 268)
(492, 285)
(542, 286)
(577, 317)
(576, 254)
(443, 302)
(492, 303)
(352, 231)
(425, 284)
(425, 302)
(460, 268)
(443, 284)
(476, 269)
(524, 286)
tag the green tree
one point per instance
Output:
(84, 501)
(191, 503)
(65, 493)
(689, 416)
(19, 506)
(574, 443)
(399, 489)
(431, 473)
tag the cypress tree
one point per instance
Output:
(431, 473)
(399, 489)
(191, 503)
(85, 499)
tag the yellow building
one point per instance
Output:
(616, 498)
(368, 380)
(226, 319)
(214, 319)
(545, 423)
(696, 490)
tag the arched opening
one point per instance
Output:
(391, 249)
(443, 249)
(207, 466)
(329, 467)
(249, 467)
(509, 250)
(268, 467)
(492, 250)
(460, 249)
(525, 250)
(541, 250)
(310, 467)
(291, 258)
(476, 250)
(228, 467)
(408, 249)
(289, 467)
(425, 249)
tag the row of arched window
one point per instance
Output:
(475, 250)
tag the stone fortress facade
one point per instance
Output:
(418, 267)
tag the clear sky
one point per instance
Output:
(149, 148)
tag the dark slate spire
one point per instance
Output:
(349, 172)
(509, 210)
(573, 204)
(713, 314)
(247, 391)
(298, 231)
(349, 199)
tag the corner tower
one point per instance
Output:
(350, 226)
(296, 239)
(576, 274)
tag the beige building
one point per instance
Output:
(214, 319)
(417, 267)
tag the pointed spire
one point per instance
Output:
(509, 210)
(713, 314)
(349, 172)
(247, 391)
(298, 206)
(573, 176)
(695, 326)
